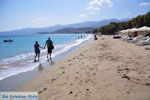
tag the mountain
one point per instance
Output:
(74, 30)
(58, 27)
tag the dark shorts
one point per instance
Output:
(49, 50)
(37, 51)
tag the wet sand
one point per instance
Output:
(105, 69)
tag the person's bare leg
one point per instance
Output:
(38, 57)
(50, 57)
(47, 57)
(35, 57)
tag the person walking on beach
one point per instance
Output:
(95, 37)
(50, 47)
(37, 51)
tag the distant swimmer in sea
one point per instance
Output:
(37, 51)
(50, 47)
(78, 37)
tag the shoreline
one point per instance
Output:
(19, 79)
(99, 70)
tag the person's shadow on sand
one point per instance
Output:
(51, 62)
(40, 67)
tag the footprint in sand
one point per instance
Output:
(94, 73)
(119, 70)
(92, 69)
(87, 92)
(128, 92)
(42, 90)
(79, 92)
(89, 80)
(127, 69)
(53, 80)
(125, 76)
(76, 77)
(70, 92)
(75, 95)
(81, 54)
(70, 64)
(71, 84)
(63, 72)
(87, 89)
(147, 84)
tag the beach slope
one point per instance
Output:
(105, 69)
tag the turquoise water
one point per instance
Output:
(24, 44)
(17, 57)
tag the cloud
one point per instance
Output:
(93, 8)
(96, 5)
(93, 12)
(82, 15)
(42, 19)
(147, 4)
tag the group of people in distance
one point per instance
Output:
(50, 47)
(80, 37)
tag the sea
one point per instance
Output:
(17, 57)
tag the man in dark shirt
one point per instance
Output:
(50, 47)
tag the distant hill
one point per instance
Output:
(74, 30)
(56, 28)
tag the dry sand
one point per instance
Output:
(105, 69)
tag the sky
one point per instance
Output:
(17, 14)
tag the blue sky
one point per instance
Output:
(17, 14)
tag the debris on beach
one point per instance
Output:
(147, 48)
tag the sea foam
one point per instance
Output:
(24, 62)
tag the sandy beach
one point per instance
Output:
(105, 69)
